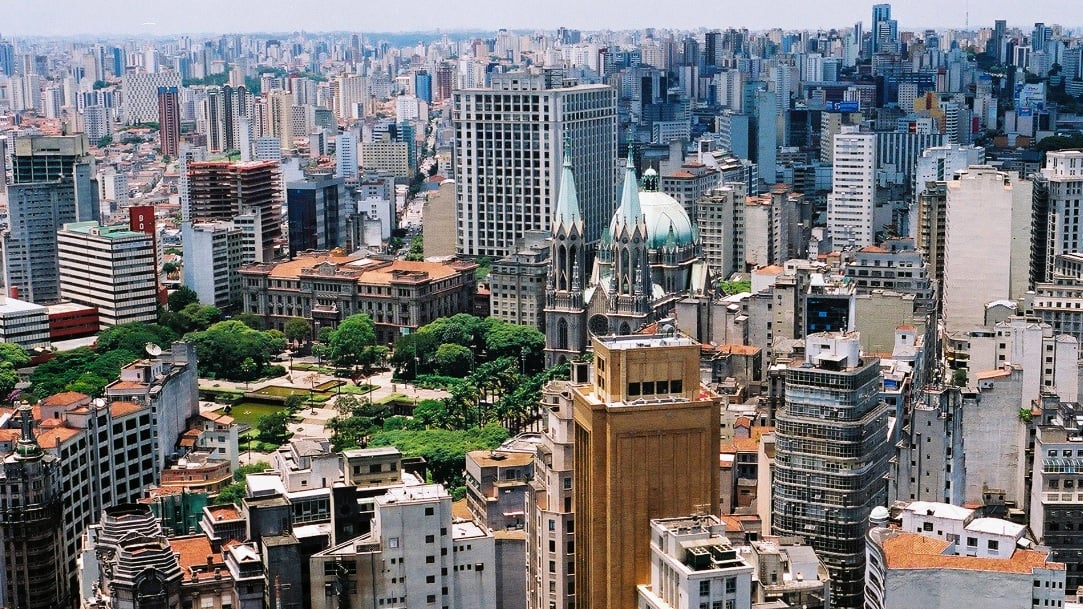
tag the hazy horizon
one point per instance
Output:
(68, 18)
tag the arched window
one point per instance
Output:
(562, 333)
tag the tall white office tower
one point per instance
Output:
(508, 154)
(850, 205)
(346, 156)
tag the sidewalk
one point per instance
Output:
(314, 420)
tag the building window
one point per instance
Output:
(971, 542)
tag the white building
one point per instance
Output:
(23, 323)
(213, 251)
(346, 156)
(850, 204)
(112, 268)
(140, 100)
(940, 163)
(694, 566)
(416, 556)
(943, 557)
(97, 122)
(986, 243)
(1057, 210)
(521, 107)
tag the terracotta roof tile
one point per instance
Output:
(123, 409)
(913, 551)
(67, 398)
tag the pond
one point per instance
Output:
(248, 413)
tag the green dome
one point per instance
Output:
(661, 212)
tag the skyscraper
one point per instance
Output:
(140, 100)
(112, 268)
(986, 243)
(884, 30)
(831, 457)
(51, 185)
(853, 189)
(346, 156)
(645, 399)
(219, 190)
(317, 208)
(169, 120)
(1055, 215)
(508, 148)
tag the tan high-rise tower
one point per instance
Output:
(646, 446)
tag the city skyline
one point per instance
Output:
(131, 18)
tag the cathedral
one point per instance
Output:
(646, 261)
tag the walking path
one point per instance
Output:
(314, 420)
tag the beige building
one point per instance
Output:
(112, 268)
(986, 245)
(517, 283)
(645, 398)
(328, 287)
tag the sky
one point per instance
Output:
(158, 17)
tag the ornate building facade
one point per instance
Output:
(647, 259)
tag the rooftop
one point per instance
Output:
(913, 551)
(638, 341)
(496, 458)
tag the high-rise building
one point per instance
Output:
(219, 190)
(986, 243)
(550, 514)
(317, 208)
(224, 112)
(1055, 213)
(97, 122)
(169, 120)
(51, 185)
(112, 268)
(693, 564)
(32, 560)
(346, 156)
(850, 205)
(508, 148)
(831, 457)
(140, 100)
(279, 119)
(214, 252)
(884, 30)
(645, 398)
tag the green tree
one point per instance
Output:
(12, 357)
(510, 340)
(297, 330)
(233, 493)
(182, 297)
(413, 352)
(133, 337)
(272, 428)
(460, 329)
(453, 360)
(958, 377)
(250, 319)
(225, 344)
(349, 340)
(444, 450)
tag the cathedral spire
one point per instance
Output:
(630, 210)
(567, 208)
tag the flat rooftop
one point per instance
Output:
(641, 341)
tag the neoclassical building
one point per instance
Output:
(647, 259)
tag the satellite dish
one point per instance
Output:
(153, 349)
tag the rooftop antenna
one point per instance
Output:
(153, 350)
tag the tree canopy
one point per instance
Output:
(182, 297)
(444, 450)
(223, 346)
(349, 344)
(12, 357)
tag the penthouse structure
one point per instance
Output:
(329, 287)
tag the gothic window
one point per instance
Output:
(562, 333)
